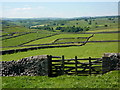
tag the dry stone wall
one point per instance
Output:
(38, 65)
(110, 61)
(30, 66)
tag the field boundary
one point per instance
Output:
(42, 47)
(51, 66)
(80, 67)
(34, 48)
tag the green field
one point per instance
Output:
(11, 29)
(97, 37)
(90, 49)
(109, 80)
(96, 23)
(23, 39)
(53, 38)
(94, 50)
(102, 37)
(104, 30)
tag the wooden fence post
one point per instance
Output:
(49, 65)
(90, 65)
(62, 64)
(76, 65)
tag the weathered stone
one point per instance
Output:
(31, 66)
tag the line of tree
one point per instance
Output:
(44, 28)
(72, 29)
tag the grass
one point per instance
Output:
(11, 29)
(104, 30)
(23, 39)
(102, 37)
(99, 22)
(53, 38)
(88, 50)
(97, 37)
(11, 35)
(109, 80)
(71, 40)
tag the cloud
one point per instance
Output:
(25, 8)
(18, 12)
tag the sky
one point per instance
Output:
(57, 9)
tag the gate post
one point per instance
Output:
(76, 72)
(62, 64)
(90, 65)
(105, 64)
(49, 58)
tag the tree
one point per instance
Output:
(113, 21)
(90, 22)
(59, 28)
(62, 24)
(86, 20)
(106, 25)
(77, 23)
(86, 28)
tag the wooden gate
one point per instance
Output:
(60, 66)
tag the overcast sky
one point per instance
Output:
(57, 9)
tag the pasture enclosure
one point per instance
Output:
(46, 65)
(80, 43)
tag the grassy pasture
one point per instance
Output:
(108, 36)
(30, 46)
(111, 36)
(99, 37)
(104, 30)
(53, 38)
(109, 80)
(25, 38)
(96, 24)
(5, 33)
(90, 49)
(11, 29)
(22, 39)
(11, 36)
(70, 40)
